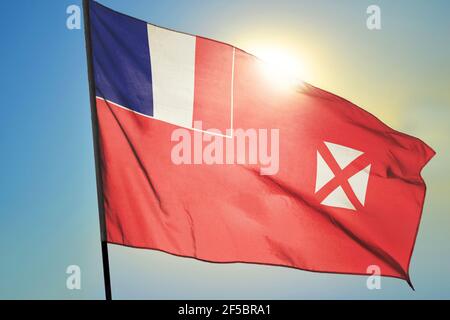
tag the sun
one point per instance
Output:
(283, 67)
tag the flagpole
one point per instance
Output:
(94, 119)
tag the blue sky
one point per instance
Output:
(48, 206)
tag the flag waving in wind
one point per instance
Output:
(205, 152)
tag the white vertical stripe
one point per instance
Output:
(172, 57)
(232, 92)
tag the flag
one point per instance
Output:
(206, 152)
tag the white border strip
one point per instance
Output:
(150, 117)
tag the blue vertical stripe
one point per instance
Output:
(121, 58)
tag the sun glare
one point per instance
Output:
(281, 66)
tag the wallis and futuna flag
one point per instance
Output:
(206, 153)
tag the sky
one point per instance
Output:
(48, 204)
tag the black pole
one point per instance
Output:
(94, 119)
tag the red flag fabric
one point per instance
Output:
(291, 176)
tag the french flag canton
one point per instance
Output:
(160, 73)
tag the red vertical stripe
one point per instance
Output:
(213, 80)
